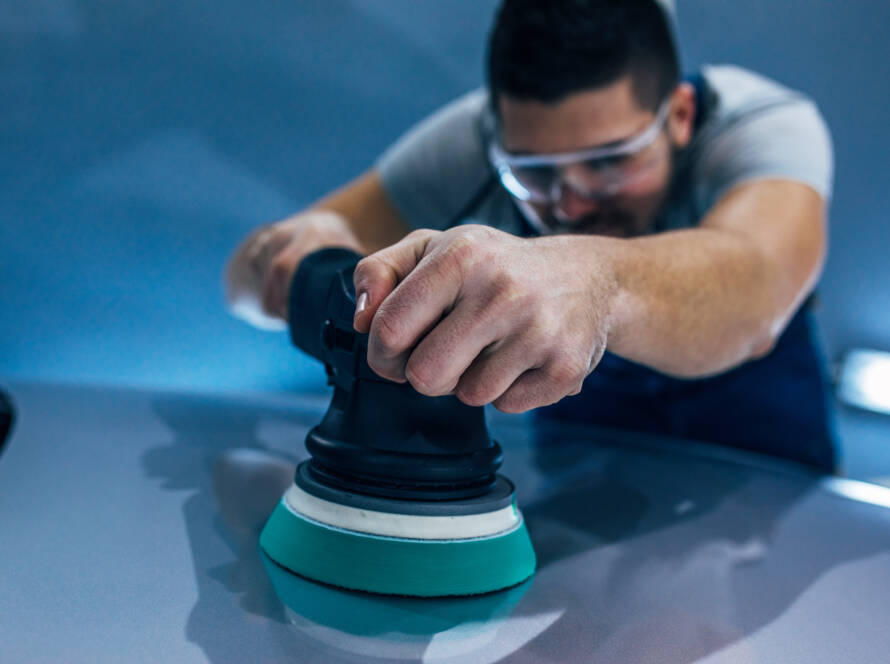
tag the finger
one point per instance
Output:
(377, 275)
(243, 279)
(410, 313)
(437, 363)
(494, 371)
(543, 386)
(240, 266)
(256, 243)
(278, 277)
(267, 243)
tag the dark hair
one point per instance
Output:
(546, 50)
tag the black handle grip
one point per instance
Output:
(380, 437)
(321, 308)
(322, 295)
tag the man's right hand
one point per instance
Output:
(259, 273)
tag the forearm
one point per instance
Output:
(691, 303)
(366, 210)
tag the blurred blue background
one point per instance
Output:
(142, 140)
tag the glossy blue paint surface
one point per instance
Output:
(129, 525)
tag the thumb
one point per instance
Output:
(377, 275)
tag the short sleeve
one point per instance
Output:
(438, 166)
(788, 140)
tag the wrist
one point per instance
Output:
(595, 265)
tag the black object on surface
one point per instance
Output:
(378, 437)
(6, 417)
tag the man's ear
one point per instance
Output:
(681, 117)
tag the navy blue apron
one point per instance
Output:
(778, 405)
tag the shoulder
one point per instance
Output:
(739, 91)
(438, 173)
(457, 124)
(758, 128)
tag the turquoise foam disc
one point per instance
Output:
(397, 566)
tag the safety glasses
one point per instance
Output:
(597, 172)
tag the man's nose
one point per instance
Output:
(571, 206)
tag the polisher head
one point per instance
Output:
(401, 495)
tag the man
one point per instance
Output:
(594, 233)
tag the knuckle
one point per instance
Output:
(567, 371)
(421, 380)
(278, 232)
(511, 402)
(385, 369)
(317, 223)
(269, 298)
(363, 267)
(273, 238)
(387, 332)
(463, 251)
(260, 235)
(472, 394)
(281, 267)
(506, 290)
(456, 258)
(475, 232)
(256, 255)
(364, 271)
(260, 248)
(420, 234)
(542, 326)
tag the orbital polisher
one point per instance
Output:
(401, 495)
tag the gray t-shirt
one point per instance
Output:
(438, 174)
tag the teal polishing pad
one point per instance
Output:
(397, 565)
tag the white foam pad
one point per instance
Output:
(406, 526)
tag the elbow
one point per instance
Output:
(766, 335)
(721, 358)
(763, 347)
(763, 340)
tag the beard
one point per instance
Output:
(609, 222)
(623, 216)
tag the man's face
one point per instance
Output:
(593, 118)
